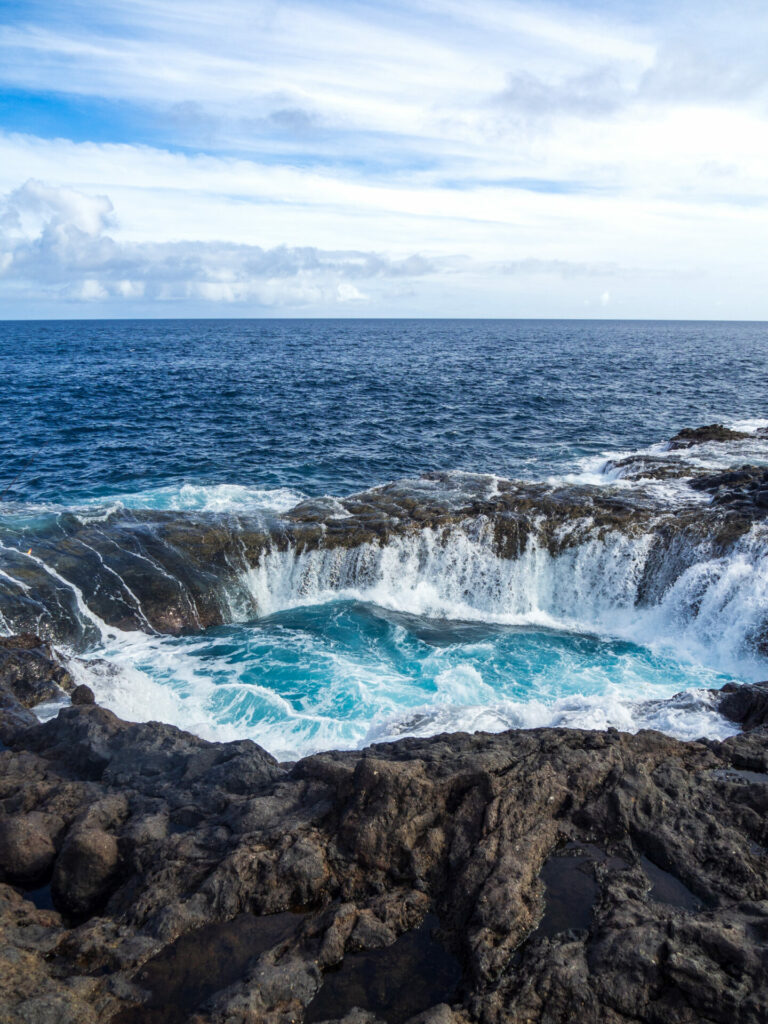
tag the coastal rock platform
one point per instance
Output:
(547, 875)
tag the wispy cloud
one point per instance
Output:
(548, 134)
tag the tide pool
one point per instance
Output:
(344, 673)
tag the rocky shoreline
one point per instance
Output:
(179, 572)
(547, 875)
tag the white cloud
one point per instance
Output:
(538, 141)
(64, 245)
(90, 289)
(56, 239)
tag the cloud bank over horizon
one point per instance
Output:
(356, 158)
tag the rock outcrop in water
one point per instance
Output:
(714, 432)
(532, 876)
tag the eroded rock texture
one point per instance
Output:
(545, 875)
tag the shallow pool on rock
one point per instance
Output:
(395, 983)
(202, 962)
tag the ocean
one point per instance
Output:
(348, 634)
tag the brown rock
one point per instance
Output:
(26, 848)
(598, 877)
(83, 694)
(699, 435)
(30, 671)
(84, 870)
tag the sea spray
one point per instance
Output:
(711, 607)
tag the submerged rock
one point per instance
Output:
(543, 875)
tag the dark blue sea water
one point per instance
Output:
(93, 408)
(235, 415)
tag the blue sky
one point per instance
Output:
(433, 158)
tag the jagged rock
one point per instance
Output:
(29, 671)
(14, 717)
(648, 467)
(747, 705)
(34, 990)
(163, 844)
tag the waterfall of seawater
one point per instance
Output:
(434, 631)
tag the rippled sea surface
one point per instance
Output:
(227, 416)
(96, 408)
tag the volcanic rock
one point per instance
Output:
(84, 870)
(700, 435)
(26, 847)
(29, 671)
(742, 489)
(83, 694)
(569, 875)
(747, 705)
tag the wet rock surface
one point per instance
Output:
(30, 674)
(747, 705)
(746, 488)
(544, 875)
(690, 436)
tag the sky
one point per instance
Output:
(433, 158)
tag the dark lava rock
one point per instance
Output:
(699, 435)
(648, 467)
(743, 489)
(84, 870)
(544, 876)
(745, 478)
(26, 848)
(747, 705)
(83, 694)
(29, 670)
(14, 717)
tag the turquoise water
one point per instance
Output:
(347, 672)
